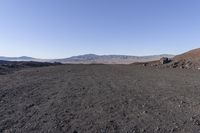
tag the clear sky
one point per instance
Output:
(62, 28)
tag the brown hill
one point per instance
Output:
(190, 55)
(188, 60)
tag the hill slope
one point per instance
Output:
(190, 55)
(187, 60)
(190, 59)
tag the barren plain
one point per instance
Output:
(100, 99)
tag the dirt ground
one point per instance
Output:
(100, 99)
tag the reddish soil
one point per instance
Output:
(191, 55)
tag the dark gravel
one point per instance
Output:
(100, 99)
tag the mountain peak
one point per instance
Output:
(25, 57)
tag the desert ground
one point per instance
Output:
(100, 99)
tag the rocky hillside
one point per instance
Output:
(188, 60)
(190, 55)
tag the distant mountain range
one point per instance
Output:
(110, 59)
(190, 59)
(22, 58)
(94, 59)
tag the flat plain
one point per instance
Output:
(100, 99)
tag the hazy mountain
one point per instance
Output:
(110, 59)
(92, 58)
(22, 58)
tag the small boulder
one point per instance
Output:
(164, 60)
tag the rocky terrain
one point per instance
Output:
(144, 97)
(11, 66)
(100, 99)
(188, 60)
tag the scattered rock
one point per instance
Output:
(164, 60)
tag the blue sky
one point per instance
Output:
(63, 28)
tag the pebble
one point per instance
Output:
(182, 102)
(143, 105)
(191, 118)
(144, 112)
(173, 130)
(197, 122)
(143, 130)
(75, 131)
(157, 129)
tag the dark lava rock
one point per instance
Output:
(164, 60)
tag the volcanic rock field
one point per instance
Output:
(100, 99)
